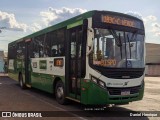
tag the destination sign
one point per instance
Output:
(117, 20)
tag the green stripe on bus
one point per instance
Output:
(75, 24)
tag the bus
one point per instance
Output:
(96, 58)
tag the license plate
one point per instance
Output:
(126, 92)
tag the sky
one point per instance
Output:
(19, 18)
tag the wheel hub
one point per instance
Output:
(60, 92)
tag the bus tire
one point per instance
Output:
(60, 93)
(21, 81)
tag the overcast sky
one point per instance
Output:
(23, 17)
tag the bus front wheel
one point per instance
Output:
(60, 93)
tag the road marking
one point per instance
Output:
(0, 83)
(55, 106)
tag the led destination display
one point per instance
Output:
(123, 21)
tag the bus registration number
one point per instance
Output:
(125, 92)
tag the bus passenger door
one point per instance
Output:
(27, 63)
(74, 62)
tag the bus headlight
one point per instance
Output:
(94, 79)
(98, 82)
(101, 83)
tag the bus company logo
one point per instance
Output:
(116, 84)
(6, 114)
(125, 83)
(21, 114)
(108, 84)
(129, 64)
(126, 77)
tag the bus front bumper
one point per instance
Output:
(95, 95)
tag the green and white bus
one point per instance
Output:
(95, 58)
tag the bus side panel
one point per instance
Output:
(15, 67)
(44, 73)
(42, 81)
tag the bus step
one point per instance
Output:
(29, 86)
(73, 99)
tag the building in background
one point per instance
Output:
(152, 59)
(6, 57)
(2, 62)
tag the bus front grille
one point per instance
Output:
(122, 74)
(117, 91)
(119, 73)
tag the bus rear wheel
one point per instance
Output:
(60, 93)
(21, 82)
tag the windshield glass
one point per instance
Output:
(118, 49)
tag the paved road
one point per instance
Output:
(12, 98)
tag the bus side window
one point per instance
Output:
(35, 48)
(62, 51)
(57, 39)
(54, 50)
(60, 42)
(12, 53)
(39, 46)
(31, 49)
(20, 50)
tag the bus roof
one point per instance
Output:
(67, 22)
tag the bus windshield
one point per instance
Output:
(118, 49)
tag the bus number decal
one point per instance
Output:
(109, 62)
(58, 62)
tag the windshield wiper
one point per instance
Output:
(129, 46)
(120, 45)
(117, 40)
(134, 34)
(133, 38)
